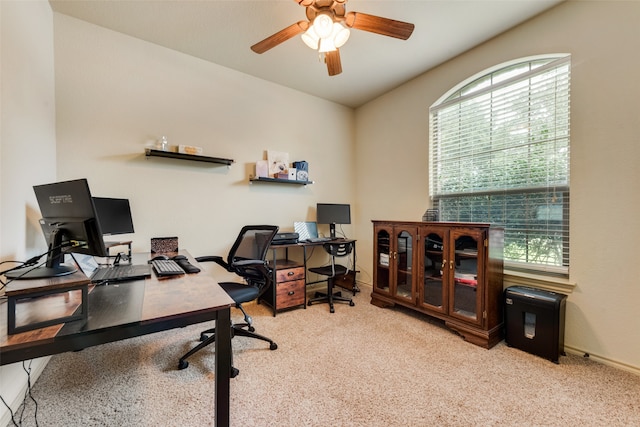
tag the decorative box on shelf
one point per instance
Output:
(190, 149)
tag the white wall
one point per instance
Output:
(602, 37)
(115, 94)
(27, 147)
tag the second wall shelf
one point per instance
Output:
(278, 180)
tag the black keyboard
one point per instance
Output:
(166, 267)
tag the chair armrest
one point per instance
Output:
(249, 262)
(215, 258)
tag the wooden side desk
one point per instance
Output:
(288, 289)
(129, 310)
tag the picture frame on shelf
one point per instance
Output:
(278, 163)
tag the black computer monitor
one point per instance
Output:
(114, 215)
(332, 214)
(69, 224)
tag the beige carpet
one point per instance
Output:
(361, 366)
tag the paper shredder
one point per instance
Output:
(534, 321)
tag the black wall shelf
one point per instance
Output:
(149, 152)
(279, 180)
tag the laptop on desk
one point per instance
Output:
(308, 232)
(112, 273)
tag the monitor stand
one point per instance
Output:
(40, 272)
(52, 268)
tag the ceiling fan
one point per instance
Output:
(327, 29)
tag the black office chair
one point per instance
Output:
(247, 259)
(335, 250)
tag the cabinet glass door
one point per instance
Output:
(466, 301)
(404, 264)
(433, 283)
(383, 259)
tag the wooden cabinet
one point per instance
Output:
(288, 289)
(452, 271)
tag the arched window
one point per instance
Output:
(499, 153)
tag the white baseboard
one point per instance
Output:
(604, 360)
(14, 385)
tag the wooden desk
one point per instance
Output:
(132, 309)
(288, 289)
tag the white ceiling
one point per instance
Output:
(222, 31)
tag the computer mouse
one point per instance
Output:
(159, 257)
(178, 257)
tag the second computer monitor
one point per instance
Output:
(332, 214)
(114, 215)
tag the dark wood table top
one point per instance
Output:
(116, 311)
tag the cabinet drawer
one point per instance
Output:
(290, 294)
(288, 274)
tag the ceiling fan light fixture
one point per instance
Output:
(310, 38)
(327, 45)
(340, 34)
(336, 38)
(323, 25)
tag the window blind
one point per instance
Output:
(499, 153)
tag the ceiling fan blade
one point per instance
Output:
(280, 37)
(334, 66)
(379, 25)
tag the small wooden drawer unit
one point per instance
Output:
(289, 288)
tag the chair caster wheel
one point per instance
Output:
(234, 372)
(183, 364)
(273, 346)
(351, 303)
(252, 329)
(332, 310)
(309, 303)
(203, 337)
